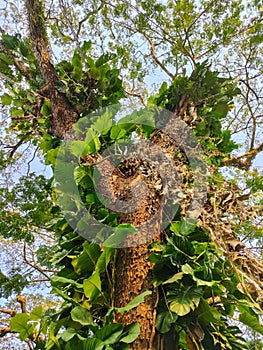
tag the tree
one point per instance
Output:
(150, 252)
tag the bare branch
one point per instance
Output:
(7, 311)
(4, 331)
(245, 160)
(20, 143)
(155, 57)
(22, 301)
(34, 265)
(135, 95)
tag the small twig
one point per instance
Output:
(35, 266)
(135, 95)
(30, 161)
(20, 142)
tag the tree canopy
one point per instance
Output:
(148, 227)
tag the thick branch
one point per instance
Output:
(4, 331)
(7, 311)
(245, 160)
(64, 115)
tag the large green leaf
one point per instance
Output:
(186, 300)
(92, 286)
(77, 66)
(92, 142)
(93, 344)
(81, 315)
(36, 313)
(68, 334)
(117, 132)
(250, 319)
(6, 99)
(110, 333)
(120, 234)
(59, 280)
(104, 259)
(164, 321)
(103, 122)
(19, 323)
(85, 261)
(130, 333)
(134, 302)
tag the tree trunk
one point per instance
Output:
(133, 277)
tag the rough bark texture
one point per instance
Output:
(63, 113)
(134, 276)
(133, 270)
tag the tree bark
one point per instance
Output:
(133, 270)
(63, 113)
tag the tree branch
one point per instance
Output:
(245, 160)
(34, 265)
(156, 59)
(7, 311)
(64, 115)
(4, 331)
(20, 143)
(23, 69)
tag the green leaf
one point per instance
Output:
(104, 59)
(93, 344)
(110, 333)
(46, 109)
(250, 319)
(57, 280)
(92, 142)
(52, 338)
(103, 122)
(220, 110)
(19, 323)
(6, 99)
(186, 300)
(164, 321)
(92, 286)
(120, 234)
(10, 42)
(6, 58)
(187, 269)
(117, 132)
(130, 333)
(77, 147)
(134, 302)
(81, 315)
(86, 46)
(68, 334)
(104, 259)
(36, 314)
(77, 66)
(208, 313)
(177, 277)
(85, 261)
